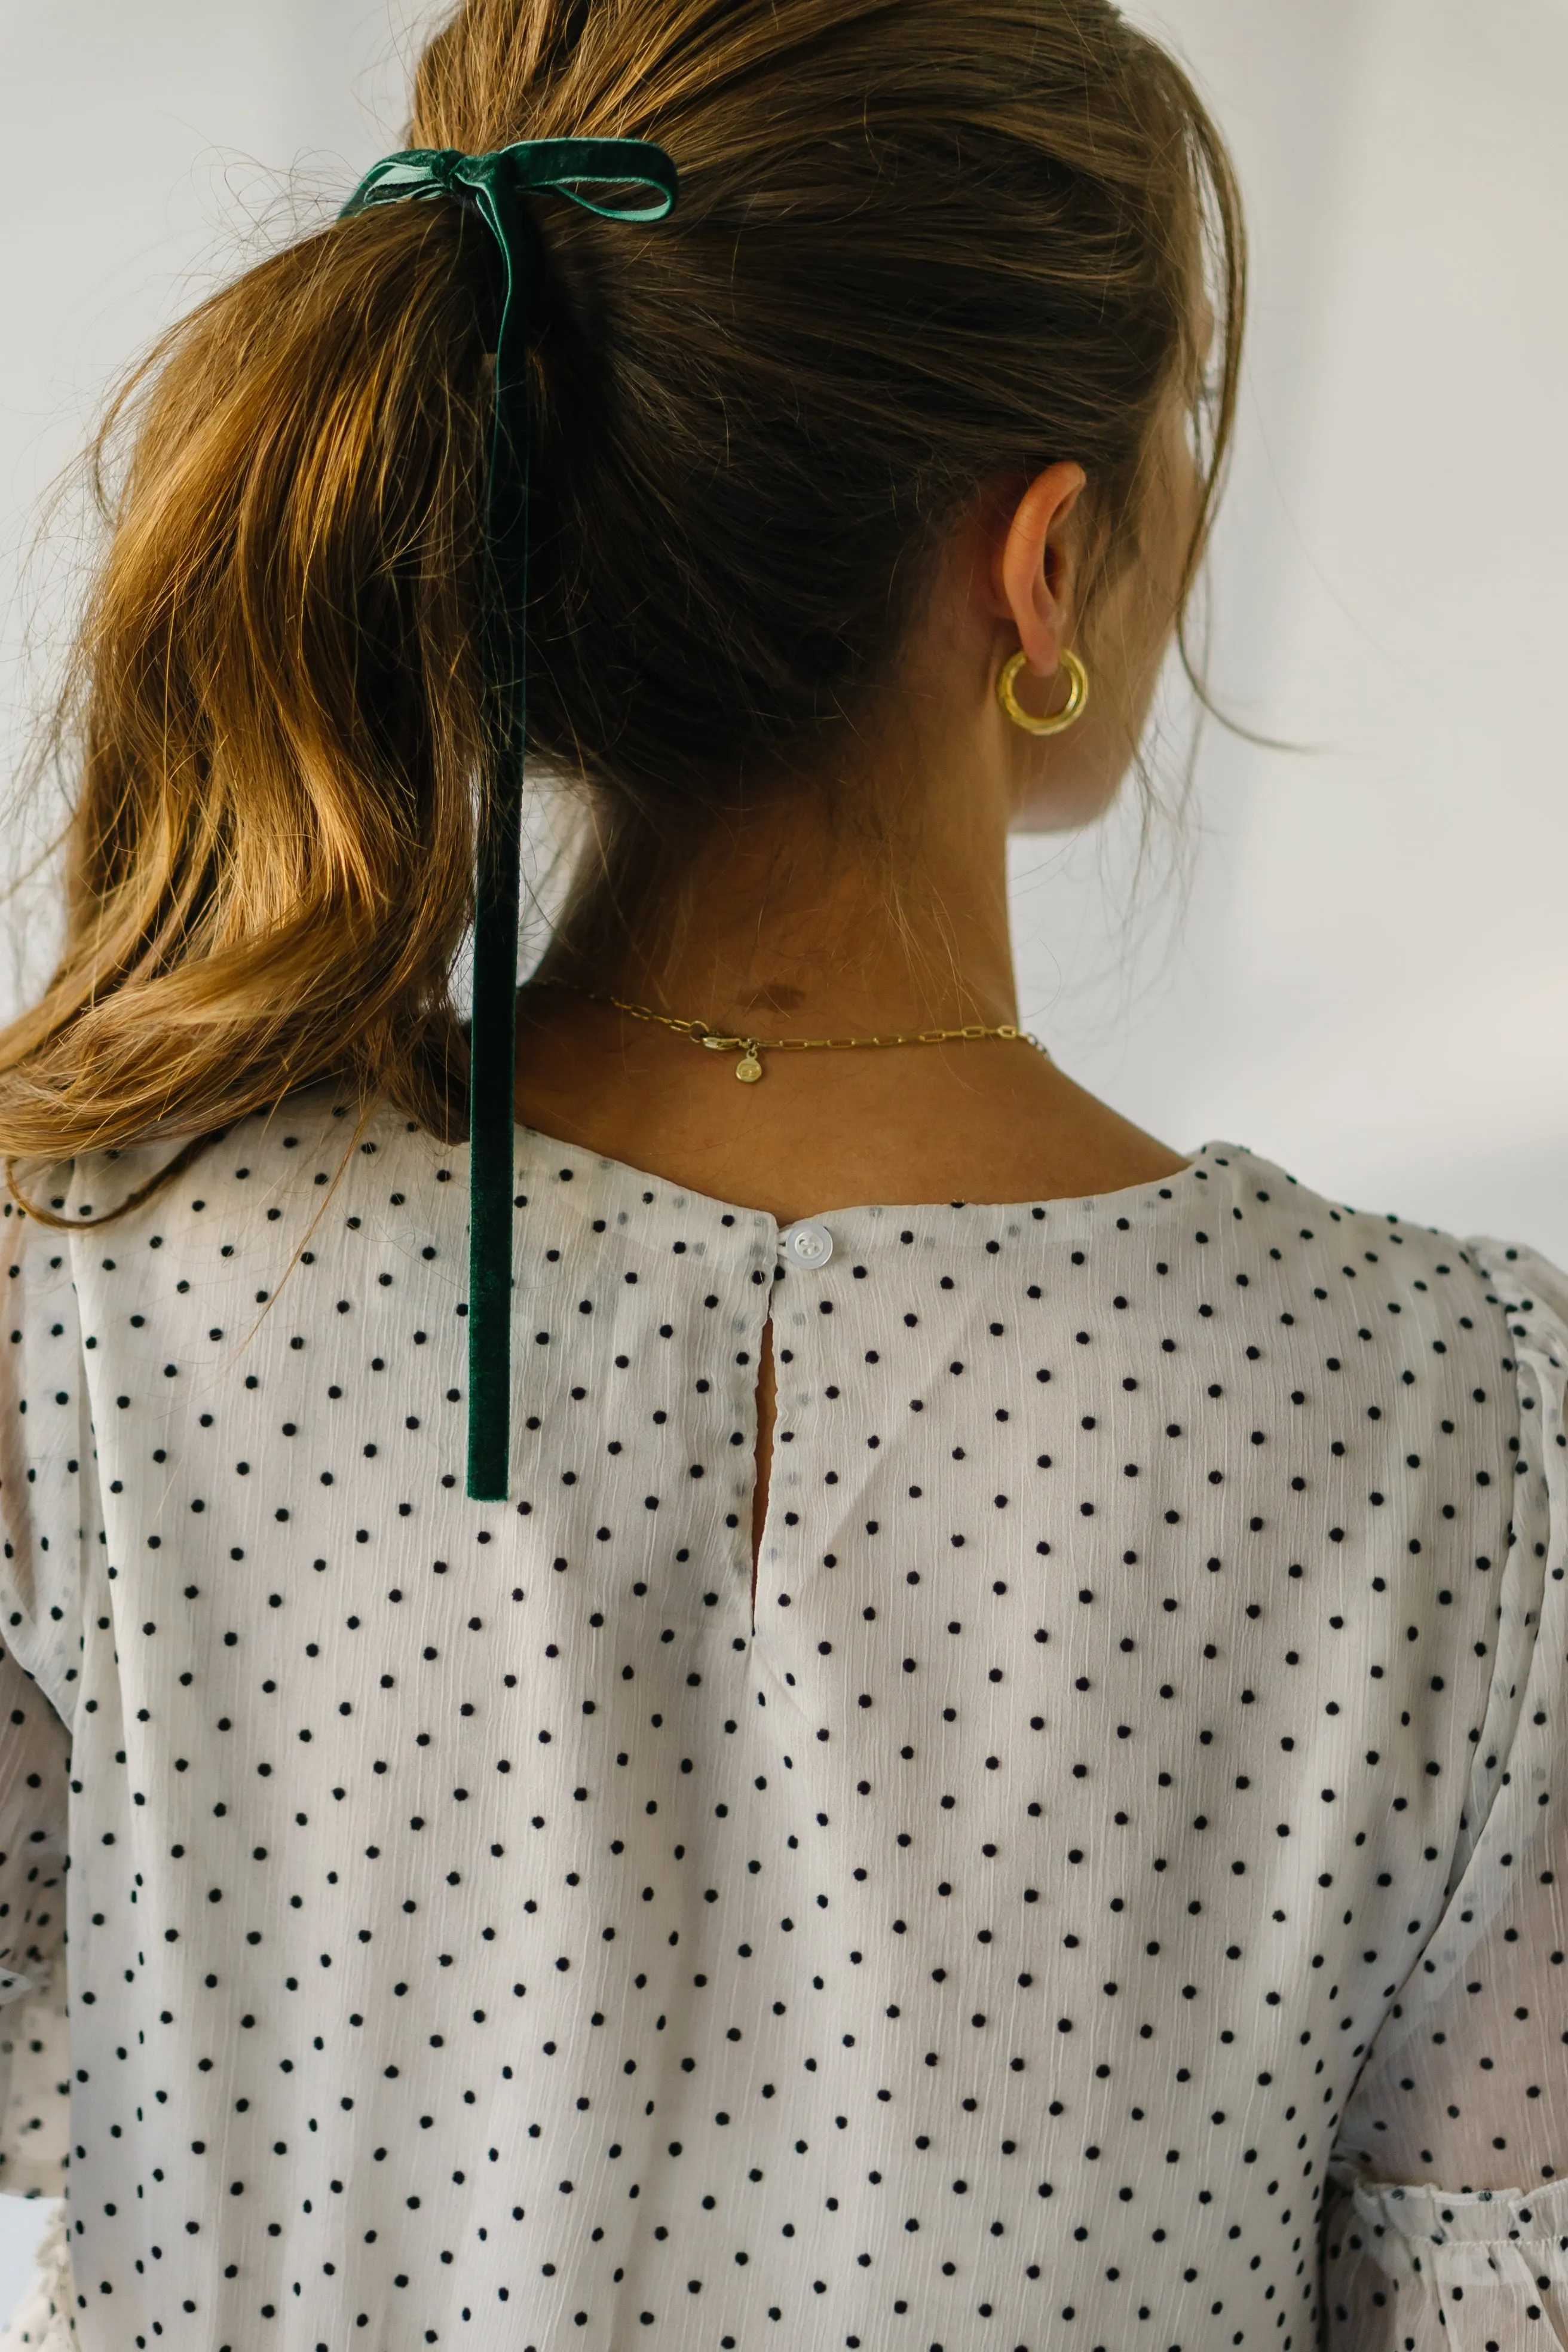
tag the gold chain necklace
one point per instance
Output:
(748, 1068)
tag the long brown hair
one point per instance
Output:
(918, 246)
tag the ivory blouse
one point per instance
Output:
(1103, 1893)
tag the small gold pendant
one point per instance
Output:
(748, 1069)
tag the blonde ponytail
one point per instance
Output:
(277, 706)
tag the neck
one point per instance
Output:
(803, 922)
(784, 927)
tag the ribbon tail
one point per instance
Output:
(492, 1078)
(491, 1124)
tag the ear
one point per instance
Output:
(1035, 567)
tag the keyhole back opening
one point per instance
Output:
(767, 1393)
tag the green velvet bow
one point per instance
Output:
(492, 184)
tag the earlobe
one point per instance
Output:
(1054, 722)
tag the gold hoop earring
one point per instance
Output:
(1066, 717)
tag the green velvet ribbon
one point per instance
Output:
(492, 184)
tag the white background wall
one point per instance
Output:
(1369, 982)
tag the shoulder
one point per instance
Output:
(1377, 1272)
(36, 1266)
(269, 1166)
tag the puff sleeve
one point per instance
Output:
(1446, 2227)
(46, 1504)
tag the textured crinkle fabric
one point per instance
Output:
(1098, 1890)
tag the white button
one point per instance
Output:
(808, 1244)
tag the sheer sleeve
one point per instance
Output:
(47, 1503)
(33, 2065)
(1446, 2227)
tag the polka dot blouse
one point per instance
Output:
(1102, 1891)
